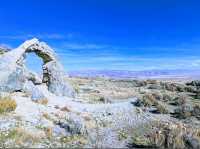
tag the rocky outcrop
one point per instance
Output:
(16, 77)
(3, 50)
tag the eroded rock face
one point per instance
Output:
(55, 79)
(14, 74)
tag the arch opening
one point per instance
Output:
(34, 63)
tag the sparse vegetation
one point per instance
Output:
(63, 128)
(166, 135)
(7, 104)
(182, 112)
(18, 137)
(162, 109)
(43, 101)
(186, 111)
(46, 115)
(167, 97)
(66, 109)
(149, 100)
(160, 97)
(196, 111)
(48, 132)
(180, 100)
(73, 141)
(122, 135)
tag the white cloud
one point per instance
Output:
(80, 46)
(42, 36)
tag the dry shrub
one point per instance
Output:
(157, 95)
(185, 110)
(7, 104)
(168, 86)
(149, 100)
(46, 115)
(22, 136)
(19, 137)
(196, 111)
(79, 140)
(182, 112)
(43, 101)
(86, 116)
(172, 86)
(122, 135)
(166, 98)
(162, 109)
(66, 109)
(167, 135)
(182, 100)
(48, 132)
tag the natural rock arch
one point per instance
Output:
(15, 75)
(47, 56)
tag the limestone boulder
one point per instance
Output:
(34, 91)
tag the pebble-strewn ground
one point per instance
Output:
(107, 113)
(176, 98)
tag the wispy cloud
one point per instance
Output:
(127, 62)
(103, 56)
(41, 36)
(196, 63)
(82, 46)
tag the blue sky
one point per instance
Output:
(108, 34)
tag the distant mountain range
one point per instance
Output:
(137, 74)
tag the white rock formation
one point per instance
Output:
(16, 77)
